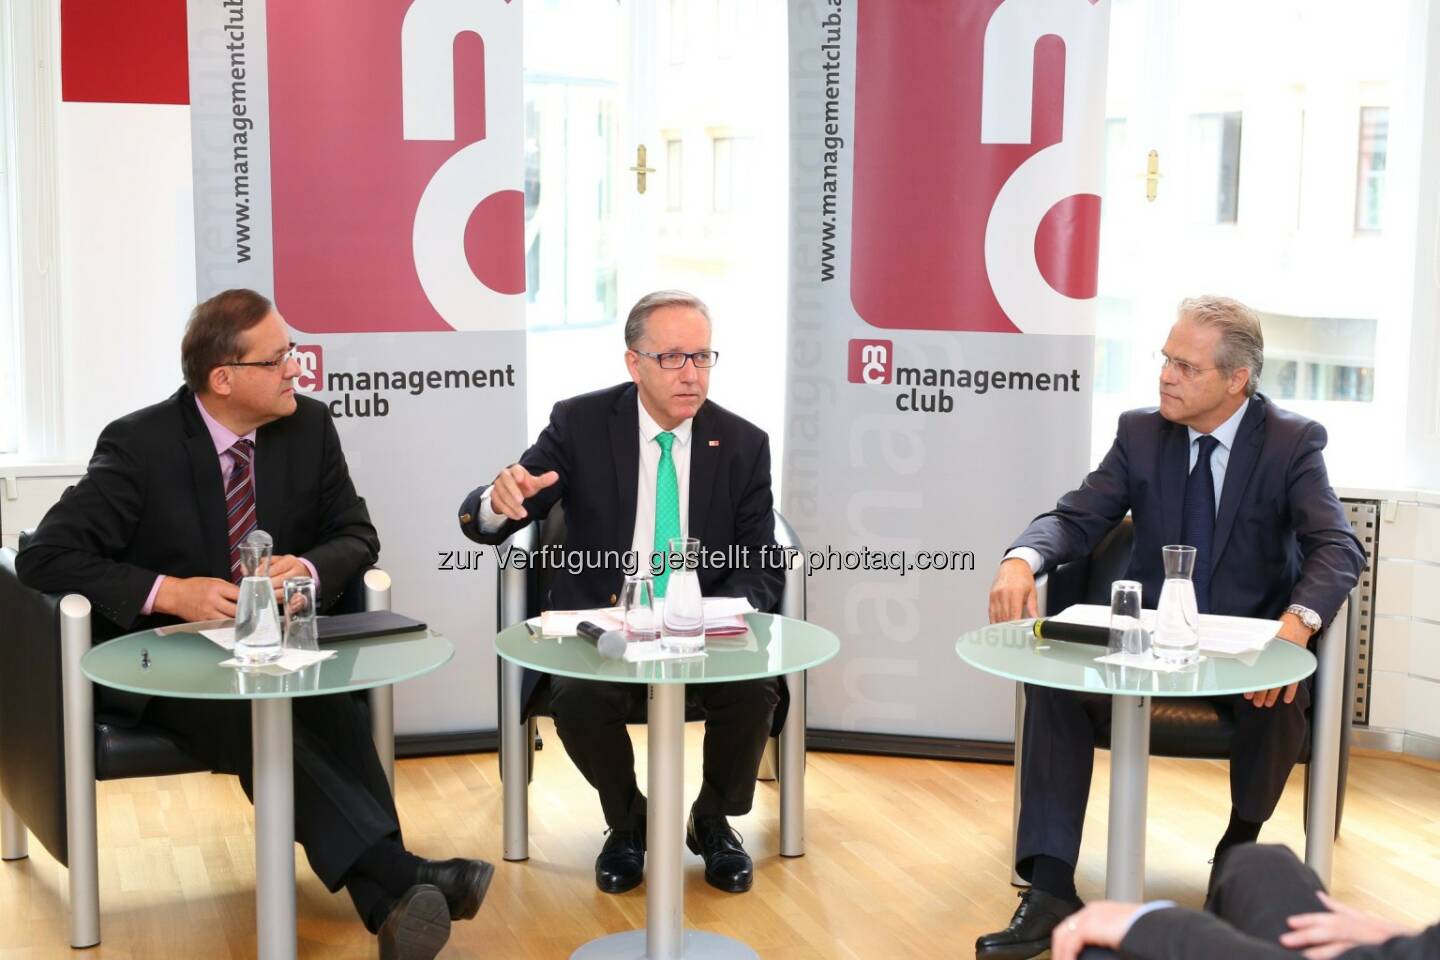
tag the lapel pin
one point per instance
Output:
(714, 443)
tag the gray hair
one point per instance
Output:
(648, 304)
(1242, 344)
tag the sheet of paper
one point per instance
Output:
(221, 636)
(1139, 661)
(650, 650)
(565, 623)
(289, 662)
(724, 617)
(1219, 635)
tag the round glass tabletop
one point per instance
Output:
(773, 645)
(179, 662)
(1012, 651)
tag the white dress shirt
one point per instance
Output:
(642, 541)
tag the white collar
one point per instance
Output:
(1225, 433)
(649, 429)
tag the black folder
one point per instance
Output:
(358, 626)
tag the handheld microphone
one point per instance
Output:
(610, 643)
(1073, 632)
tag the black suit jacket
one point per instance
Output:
(151, 503)
(1179, 934)
(1281, 536)
(593, 442)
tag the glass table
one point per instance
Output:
(177, 662)
(773, 646)
(1012, 651)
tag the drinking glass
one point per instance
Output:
(1127, 635)
(300, 633)
(637, 601)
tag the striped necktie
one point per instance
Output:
(667, 506)
(240, 501)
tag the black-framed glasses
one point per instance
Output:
(1187, 371)
(674, 361)
(289, 354)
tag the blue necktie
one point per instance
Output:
(1197, 528)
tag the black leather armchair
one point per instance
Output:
(520, 594)
(58, 735)
(1192, 727)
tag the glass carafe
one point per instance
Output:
(682, 628)
(1177, 620)
(257, 620)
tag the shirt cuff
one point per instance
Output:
(149, 606)
(313, 575)
(1029, 554)
(1150, 907)
(490, 521)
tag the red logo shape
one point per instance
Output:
(311, 357)
(347, 183)
(871, 361)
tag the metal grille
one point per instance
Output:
(1364, 516)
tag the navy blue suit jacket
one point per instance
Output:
(1281, 535)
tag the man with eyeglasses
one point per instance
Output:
(1219, 467)
(151, 536)
(632, 466)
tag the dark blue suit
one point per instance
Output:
(1281, 537)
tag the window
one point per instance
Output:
(1215, 150)
(1370, 191)
(1115, 162)
(1318, 358)
(732, 156)
(676, 35)
(674, 175)
(9, 315)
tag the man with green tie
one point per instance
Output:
(633, 466)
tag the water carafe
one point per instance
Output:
(682, 626)
(257, 620)
(1177, 620)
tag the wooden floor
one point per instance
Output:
(905, 858)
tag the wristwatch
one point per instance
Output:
(1309, 617)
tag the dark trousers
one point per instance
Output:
(590, 717)
(343, 804)
(1257, 887)
(1058, 758)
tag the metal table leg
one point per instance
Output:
(1129, 772)
(665, 936)
(273, 748)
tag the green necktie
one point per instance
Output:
(667, 506)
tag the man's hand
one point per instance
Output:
(197, 598)
(282, 568)
(1012, 595)
(1101, 924)
(1331, 934)
(513, 486)
(1293, 630)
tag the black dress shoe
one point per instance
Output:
(1029, 932)
(727, 865)
(417, 926)
(463, 882)
(621, 864)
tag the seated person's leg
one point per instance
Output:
(590, 718)
(738, 719)
(1263, 752)
(1056, 766)
(1259, 886)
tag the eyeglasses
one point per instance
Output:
(1187, 371)
(674, 361)
(288, 355)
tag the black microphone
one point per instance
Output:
(610, 643)
(1073, 632)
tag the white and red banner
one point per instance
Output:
(365, 169)
(946, 165)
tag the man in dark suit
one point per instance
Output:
(150, 536)
(1265, 905)
(1218, 467)
(634, 465)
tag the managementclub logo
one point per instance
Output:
(936, 389)
(371, 393)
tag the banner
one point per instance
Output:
(946, 163)
(367, 173)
